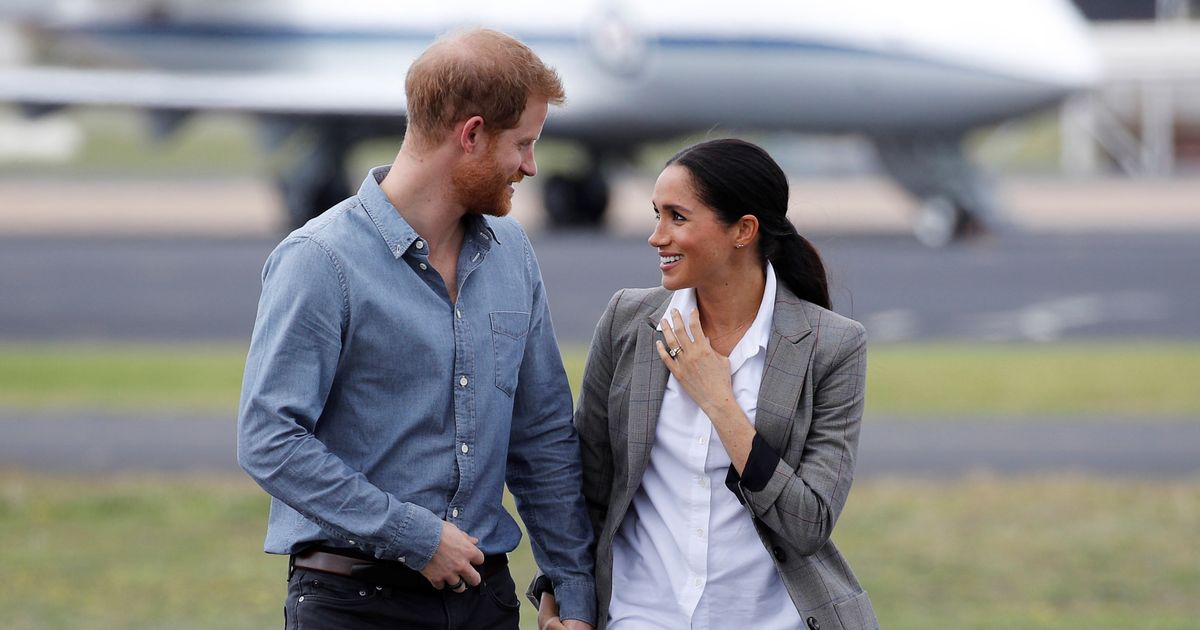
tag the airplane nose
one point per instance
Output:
(1017, 55)
(1066, 56)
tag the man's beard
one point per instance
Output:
(481, 186)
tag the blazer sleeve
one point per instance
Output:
(591, 417)
(802, 503)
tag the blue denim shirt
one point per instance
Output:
(373, 409)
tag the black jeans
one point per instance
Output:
(322, 601)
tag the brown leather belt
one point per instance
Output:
(380, 572)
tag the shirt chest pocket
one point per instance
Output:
(509, 330)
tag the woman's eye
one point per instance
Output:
(677, 216)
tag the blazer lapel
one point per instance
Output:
(789, 353)
(647, 387)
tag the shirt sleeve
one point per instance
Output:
(544, 471)
(290, 370)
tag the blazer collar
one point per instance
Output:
(789, 352)
(785, 374)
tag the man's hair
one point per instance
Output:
(478, 72)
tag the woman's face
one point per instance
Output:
(694, 248)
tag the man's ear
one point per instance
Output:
(471, 133)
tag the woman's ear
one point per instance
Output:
(747, 230)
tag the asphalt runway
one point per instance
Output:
(1015, 287)
(1008, 287)
(106, 443)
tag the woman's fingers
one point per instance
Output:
(665, 356)
(678, 327)
(694, 325)
(669, 335)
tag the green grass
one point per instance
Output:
(120, 142)
(1141, 380)
(1069, 378)
(121, 377)
(1043, 552)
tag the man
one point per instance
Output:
(403, 368)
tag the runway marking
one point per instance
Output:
(898, 324)
(1049, 320)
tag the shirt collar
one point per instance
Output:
(755, 338)
(396, 232)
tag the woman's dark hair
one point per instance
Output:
(736, 178)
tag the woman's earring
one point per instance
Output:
(738, 246)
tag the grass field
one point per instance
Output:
(1045, 552)
(938, 380)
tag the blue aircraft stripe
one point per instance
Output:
(251, 31)
(228, 30)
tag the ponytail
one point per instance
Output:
(798, 266)
(736, 178)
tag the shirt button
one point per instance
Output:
(697, 582)
(454, 512)
(350, 541)
(462, 380)
(423, 266)
(458, 313)
(700, 440)
(700, 533)
(400, 559)
(465, 448)
(420, 245)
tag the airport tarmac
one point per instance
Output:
(851, 205)
(176, 260)
(170, 259)
(171, 442)
(1032, 287)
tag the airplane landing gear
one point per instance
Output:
(940, 221)
(956, 201)
(578, 201)
(317, 181)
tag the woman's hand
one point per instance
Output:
(703, 372)
(548, 616)
(705, 375)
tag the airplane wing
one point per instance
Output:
(256, 93)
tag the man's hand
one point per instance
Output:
(453, 563)
(548, 616)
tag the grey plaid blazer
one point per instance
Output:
(809, 408)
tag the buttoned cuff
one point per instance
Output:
(760, 466)
(577, 600)
(416, 539)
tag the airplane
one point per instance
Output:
(914, 77)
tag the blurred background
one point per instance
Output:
(1006, 195)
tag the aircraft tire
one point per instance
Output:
(575, 201)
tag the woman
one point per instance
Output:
(719, 417)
